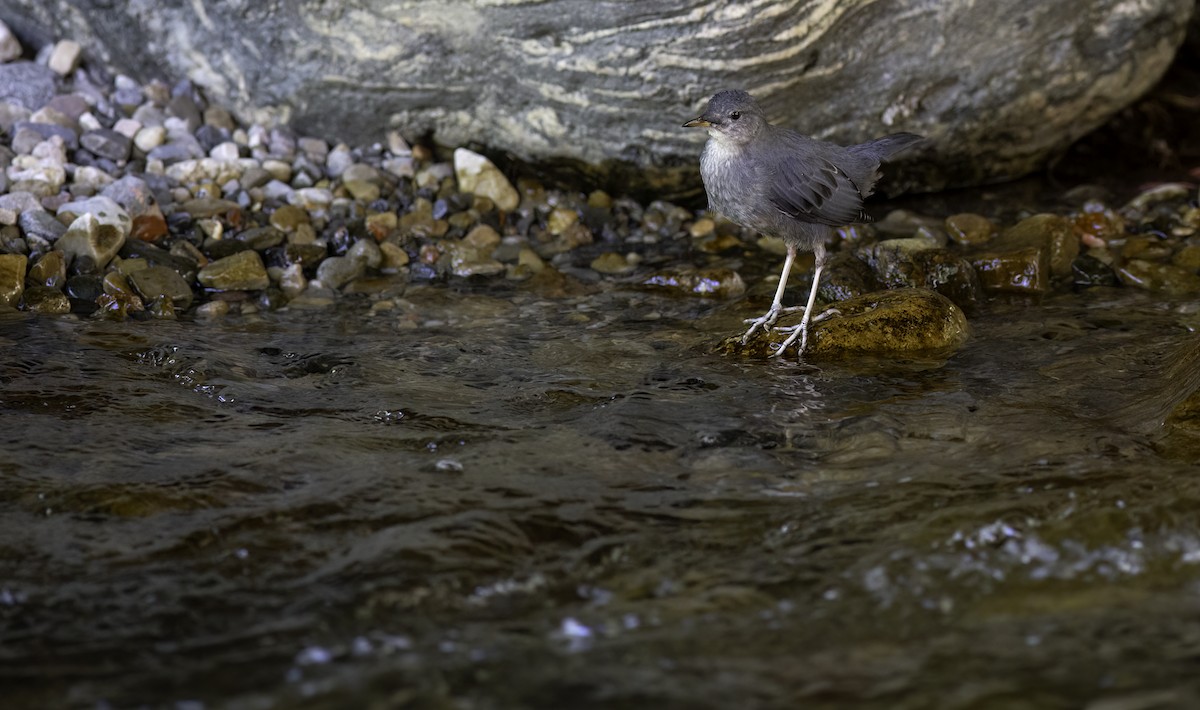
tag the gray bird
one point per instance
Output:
(782, 184)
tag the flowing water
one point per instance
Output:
(491, 497)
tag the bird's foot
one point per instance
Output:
(801, 331)
(764, 321)
(797, 331)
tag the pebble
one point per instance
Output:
(12, 278)
(107, 143)
(243, 271)
(478, 175)
(46, 300)
(154, 282)
(336, 271)
(88, 238)
(104, 209)
(49, 270)
(1049, 232)
(611, 263)
(10, 47)
(1019, 271)
(64, 58)
(1162, 278)
(969, 229)
(688, 281)
(27, 84)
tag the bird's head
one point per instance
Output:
(731, 116)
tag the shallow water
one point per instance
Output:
(493, 497)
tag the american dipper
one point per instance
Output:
(780, 183)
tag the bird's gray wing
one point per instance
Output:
(807, 185)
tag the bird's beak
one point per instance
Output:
(698, 122)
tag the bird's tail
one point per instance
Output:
(881, 149)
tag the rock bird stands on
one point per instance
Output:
(782, 184)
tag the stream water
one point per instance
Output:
(489, 497)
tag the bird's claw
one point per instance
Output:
(764, 321)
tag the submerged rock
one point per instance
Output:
(686, 281)
(898, 323)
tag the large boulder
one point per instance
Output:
(602, 88)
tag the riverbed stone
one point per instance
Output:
(104, 209)
(336, 271)
(1161, 278)
(28, 84)
(10, 46)
(88, 238)
(46, 300)
(969, 229)
(154, 282)
(243, 271)
(49, 270)
(107, 143)
(41, 224)
(893, 323)
(1053, 233)
(716, 282)
(12, 278)
(480, 176)
(1018, 271)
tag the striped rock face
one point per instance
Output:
(600, 88)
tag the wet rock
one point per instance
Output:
(478, 175)
(560, 220)
(1049, 232)
(118, 299)
(213, 310)
(88, 238)
(896, 323)
(970, 229)
(1097, 225)
(1161, 278)
(367, 252)
(892, 260)
(394, 257)
(261, 238)
(41, 224)
(1020, 271)
(288, 218)
(612, 263)
(162, 308)
(46, 300)
(846, 276)
(155, 282)
(467, 259)
(1188, 257)
(1088, 271)
(185, 265)
(50, 270)
(243, 271)
(305, 255)
(12, 278)
(336, 271)
(292, 281)
(686, 281)
(83, 290)
(382, 225)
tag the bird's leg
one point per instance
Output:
(801, 331)
(768, 319)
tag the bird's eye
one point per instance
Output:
(735, 115)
